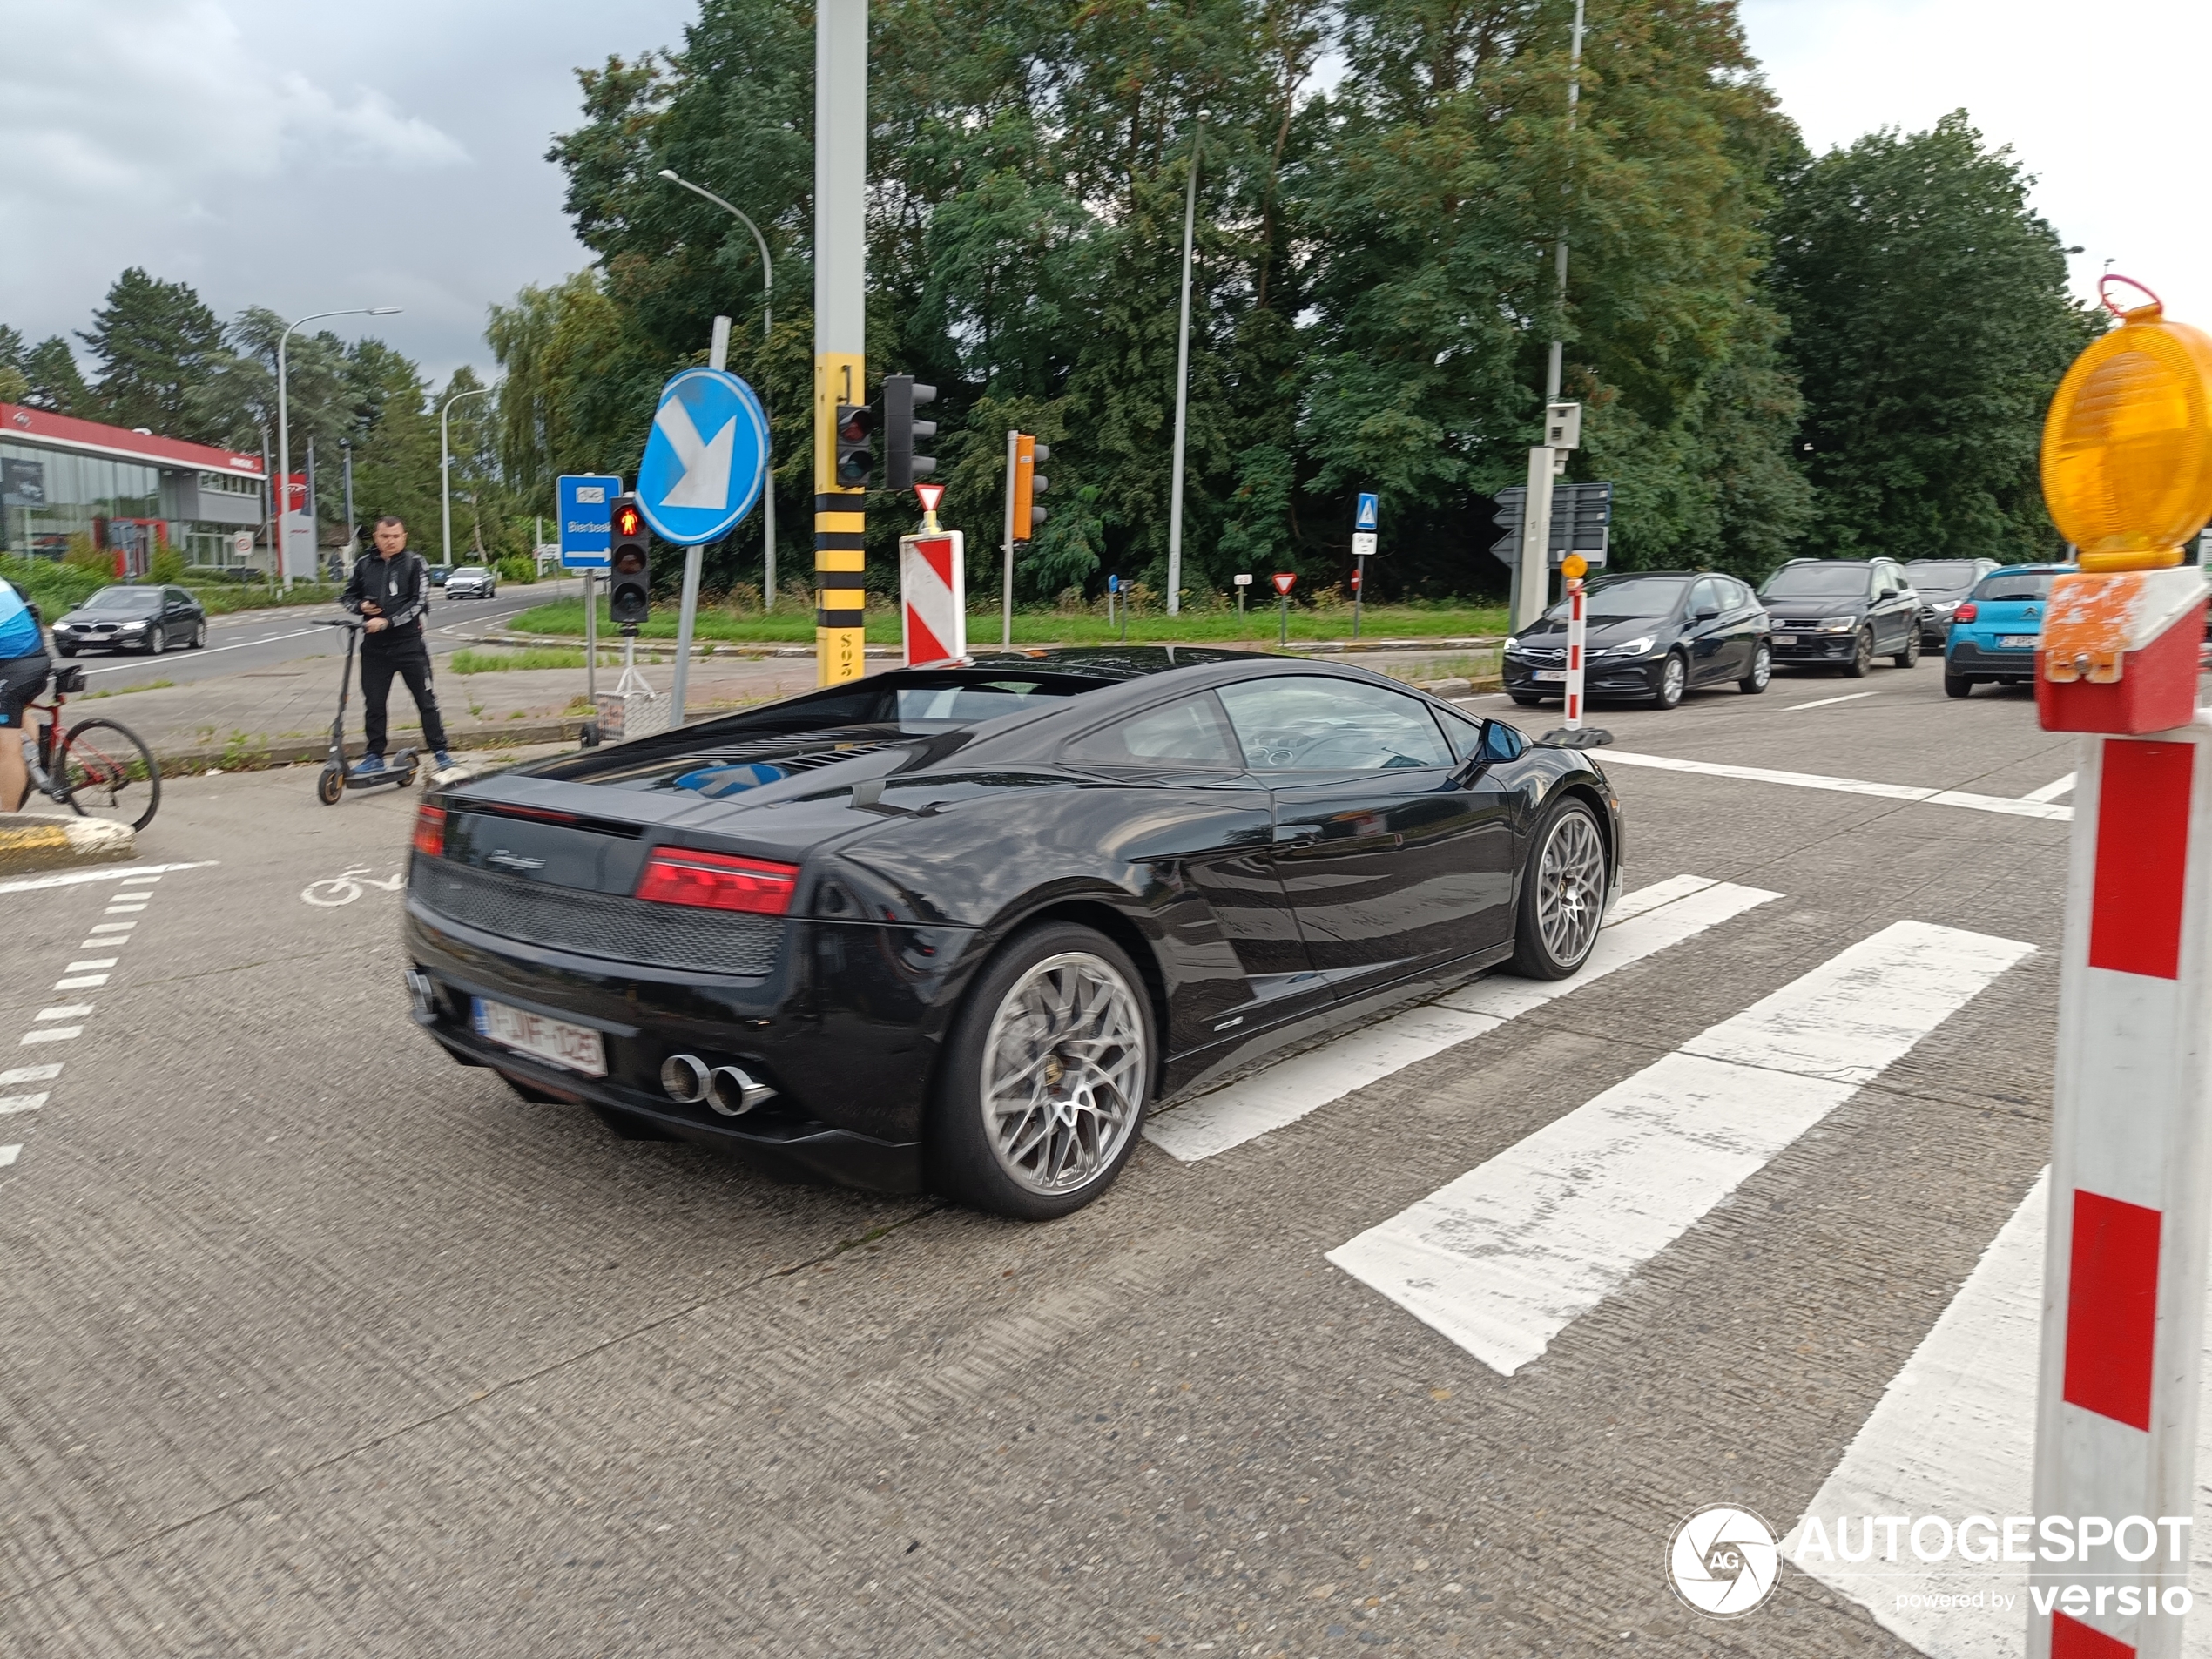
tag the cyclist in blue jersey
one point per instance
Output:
(23, 669)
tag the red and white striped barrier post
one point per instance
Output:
(2131, 1119)
(933, 588)
(1574, 634)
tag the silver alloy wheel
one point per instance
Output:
(1762, 667)
(1062, 1087)
(1674, 679)
(1570, 887)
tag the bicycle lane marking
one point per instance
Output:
(65, 1022)
(348, 886)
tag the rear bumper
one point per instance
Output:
(847, 1030)
(1966, 658)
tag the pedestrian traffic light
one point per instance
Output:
(855, 454)
(902, 396)
(1028, 484)
(629, 564)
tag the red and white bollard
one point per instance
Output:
(1575, 734)
(933, 588)
(2131, 1121)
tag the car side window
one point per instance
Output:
(1187, 735)
(1706, 595)
(1462, 731)
(1309, 722)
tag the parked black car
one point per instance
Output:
(1842, 613)
(1647, 634)
(132, 618)
(1943, 585)
(960, 927)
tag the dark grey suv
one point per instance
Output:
(1842, 613)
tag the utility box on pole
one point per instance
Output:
(1532, 576)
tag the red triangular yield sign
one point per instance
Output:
(931, 495)
(1284, 581)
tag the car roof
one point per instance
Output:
(2030, 569)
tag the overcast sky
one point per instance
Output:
(352, 153)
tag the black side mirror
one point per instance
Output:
(1707, 614)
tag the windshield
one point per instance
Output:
(124, 599)
(1945, 576)
(1834, 580)
(2034, 585)
(1633, 597)
(470, 570)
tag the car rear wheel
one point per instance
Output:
(1911, 654)
(1674, 680)
(199, 635)
(1762, 671)
(1562, 893)
(1958, 685)
(1862, 656)
(1046, 1078)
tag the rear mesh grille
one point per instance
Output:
(598, 924)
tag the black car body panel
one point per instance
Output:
(1713, 623)
(1820, 608)
(1259, 909)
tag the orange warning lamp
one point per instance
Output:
(2127, 444)
(1574, 566)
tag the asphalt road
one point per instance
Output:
(319, 1344)
(257, 639)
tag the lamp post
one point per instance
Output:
(284, 429)
(445, 473)
(767, 332)
(1182, 378)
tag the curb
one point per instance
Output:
(28, 842)
(724, 647)
(182, 762)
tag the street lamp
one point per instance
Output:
(767, 332)
(1182, 378)
(283, 430)
(445, 474)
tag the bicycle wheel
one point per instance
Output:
(107, 771)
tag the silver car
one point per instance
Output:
(472, 582)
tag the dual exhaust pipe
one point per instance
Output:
(688, 1081)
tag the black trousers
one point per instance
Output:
(410, 659)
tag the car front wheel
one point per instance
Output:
(1674, 680)
(1562, 893)
(1862, 656)
(1046, 1078)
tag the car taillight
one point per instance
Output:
(1965, 612)
(718, 881)
(430, 832)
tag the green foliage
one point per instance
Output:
(152, 342)
(1929, 324)
(166, 566)
(56, 382)
(53, 585)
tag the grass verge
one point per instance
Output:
(496, 662)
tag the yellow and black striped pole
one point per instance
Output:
(840, 330)
(840, 529)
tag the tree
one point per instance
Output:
(152, 342)
(55, 382)
(1930, 323)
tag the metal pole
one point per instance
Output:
(841, 331)
(1358, 588)
(1533, 587)
(284, 428)
(1006, 587)
(314, 517)
(687, 612)
(591, 642)
(1182, 381)
(768, 343)
(1574, 98)
(445, 471)
(353, 529)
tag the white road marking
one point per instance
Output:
(70, 1011)
(2003, 804)
(91, 962)
(9, 1104)
(113, 873)
(123, 910)
(52, 1034)
(8, 1154)
(1829, 702)
(44, 1074)
(209, 650)
(80, 982)
(1954, 1434)
(1284, 1093)
(140, 880)
(1504, 1259)
(1659, 892)
(2052, 790)
(113, 927)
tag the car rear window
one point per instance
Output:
(1838, 580)
(2031, 585)
(927, 707)
(1941, 574)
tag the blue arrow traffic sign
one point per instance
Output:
(1365, 519)
(704, 459)
(586, 506)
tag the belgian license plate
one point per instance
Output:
(2019, 642)
(573, 1048)
(1785, 639)
(1549, 674)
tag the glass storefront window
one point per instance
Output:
(47, 495)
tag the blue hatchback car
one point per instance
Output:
(1994, 633)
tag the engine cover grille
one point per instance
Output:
(598, 924)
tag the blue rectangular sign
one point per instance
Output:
(1367, 516)
(586, 505)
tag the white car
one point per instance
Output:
(472, 582)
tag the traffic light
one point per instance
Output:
(1028, 484)
(902, 396)
(855, 456)
(630, 566)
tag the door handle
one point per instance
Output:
(1296, 835)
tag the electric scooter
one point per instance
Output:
(334, 780)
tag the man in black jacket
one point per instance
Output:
(391, 590)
